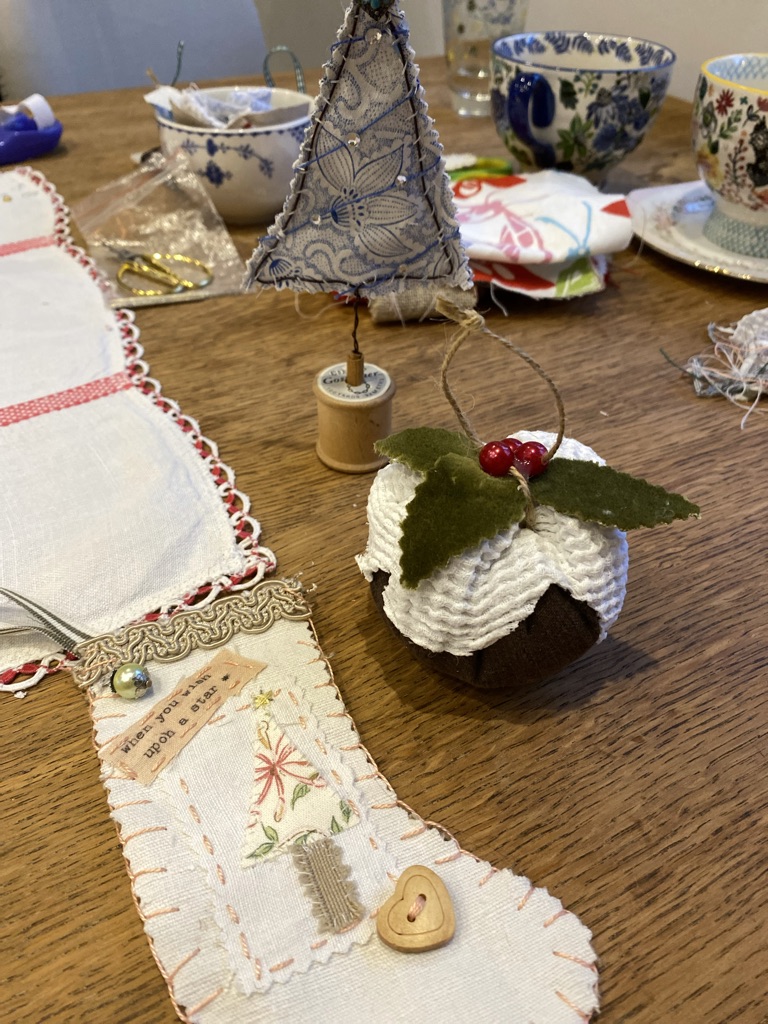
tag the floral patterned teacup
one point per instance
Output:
(577, 101)
(246, 171)
(730, 141)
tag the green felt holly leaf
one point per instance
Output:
(599, 494)
(421, 447)
(456, 506)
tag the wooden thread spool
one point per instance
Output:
(352, 417)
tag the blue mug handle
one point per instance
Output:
(531, 104)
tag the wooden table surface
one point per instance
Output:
(633, 785)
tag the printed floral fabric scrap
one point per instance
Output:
(545, 234)
(292, 804)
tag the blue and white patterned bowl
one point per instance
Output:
(577, 101)
(246, 171)
(730, 142)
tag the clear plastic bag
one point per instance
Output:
(157, 238)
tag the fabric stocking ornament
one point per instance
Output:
(262, 842)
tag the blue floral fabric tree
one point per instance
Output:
(370, 208)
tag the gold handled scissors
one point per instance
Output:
(161, 269)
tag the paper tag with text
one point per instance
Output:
(151, 743)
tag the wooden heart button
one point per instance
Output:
(419, 914)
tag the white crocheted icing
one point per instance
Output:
(486, 592)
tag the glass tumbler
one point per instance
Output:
(470, 26)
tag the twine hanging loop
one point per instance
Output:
(467, 322)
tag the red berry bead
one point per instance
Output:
(529, 458)
(496, 458)
(513, 443)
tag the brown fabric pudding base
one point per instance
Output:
(559, 630)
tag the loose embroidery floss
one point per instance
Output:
(737, 366)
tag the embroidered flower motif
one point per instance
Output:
(364, 206)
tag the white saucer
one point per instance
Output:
(671, 219)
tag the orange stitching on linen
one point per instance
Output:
(348, 927)
(320, 944)
(160, 913)
(130, 803)
(194, 813)
(218, 718)
(302, 722)
(525, 898)
(572, 1006)
(244, 707)
(282, 966)
(233, 916)
(294, 699)
(192, 1010)
(449, 857)
(419, 830)
(575, 960)
(149, 871)
(374, 844)
(183, 785)
(208, 845)
(257, 969)
(489, 876)
(367, 778)
(120, 714)
(244, 946)
(336, 777)
(321, 746)
(144, 832)
(551, 920)
(338, 714)
(220, 874)
(392, 877)
(178, 967)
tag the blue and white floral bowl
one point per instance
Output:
(577, 101)
(246, 171)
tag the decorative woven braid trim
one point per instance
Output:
(249, 611)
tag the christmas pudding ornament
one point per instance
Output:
(528, 567)
(369, 215)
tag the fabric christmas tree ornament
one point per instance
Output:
(370, 210)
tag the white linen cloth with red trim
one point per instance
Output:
(112, 505)
(545, 234)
